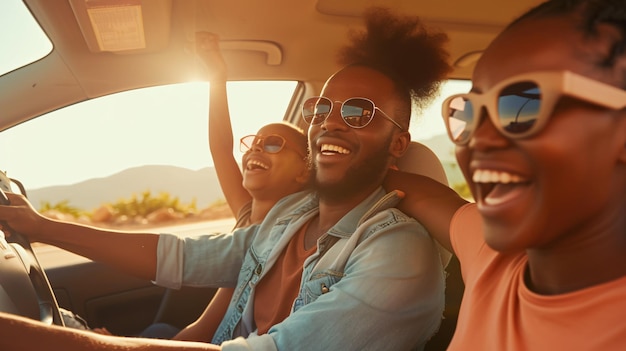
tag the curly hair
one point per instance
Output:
(402, 48)
(591, 13)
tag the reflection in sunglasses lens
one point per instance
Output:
(518, 107)
(460, 119)
(357, 112)
(315, 110)
(273, 144)
(270, 144)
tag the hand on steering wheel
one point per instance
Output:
(24, 286)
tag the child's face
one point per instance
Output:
(267, 173)
(544, 189)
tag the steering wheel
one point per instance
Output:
(24, 286)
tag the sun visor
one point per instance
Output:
(124, 26)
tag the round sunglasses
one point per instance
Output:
(271, 144)
(520, 106)
(356, 112)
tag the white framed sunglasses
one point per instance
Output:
(356, 112)
(520, 106)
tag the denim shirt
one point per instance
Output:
(379, 286)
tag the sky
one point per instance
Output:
(163, 125)
(98, 138)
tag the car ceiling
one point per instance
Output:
(261, 40)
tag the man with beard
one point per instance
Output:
(338, 268)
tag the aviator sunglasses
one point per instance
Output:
(520, 106)
(356, 112)
(271, 144)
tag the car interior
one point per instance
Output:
(71, 82)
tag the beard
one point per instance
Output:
(358, 177)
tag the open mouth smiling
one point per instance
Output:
(255, 165)
(329, 149)
(498, 187)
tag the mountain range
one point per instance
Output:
(201, 185)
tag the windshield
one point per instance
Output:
(22, 41)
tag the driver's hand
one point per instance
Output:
(20, 216)
(208, 49)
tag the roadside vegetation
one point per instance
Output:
(463, 190)
(147, 209)
(143, 209)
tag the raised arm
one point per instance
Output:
(131, 253)
(428, 201)
(220, 129)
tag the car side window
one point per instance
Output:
(427, 127)
(117, 159)
(114, 160)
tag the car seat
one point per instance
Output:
(419, 159)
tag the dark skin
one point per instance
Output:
(138, 251)
(573, 239)
(356, 145)
(576, 237)
(570, 246)
(286, 172)
(428, 201)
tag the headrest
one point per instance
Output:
(419, 159)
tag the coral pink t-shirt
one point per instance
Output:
(498, 312)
